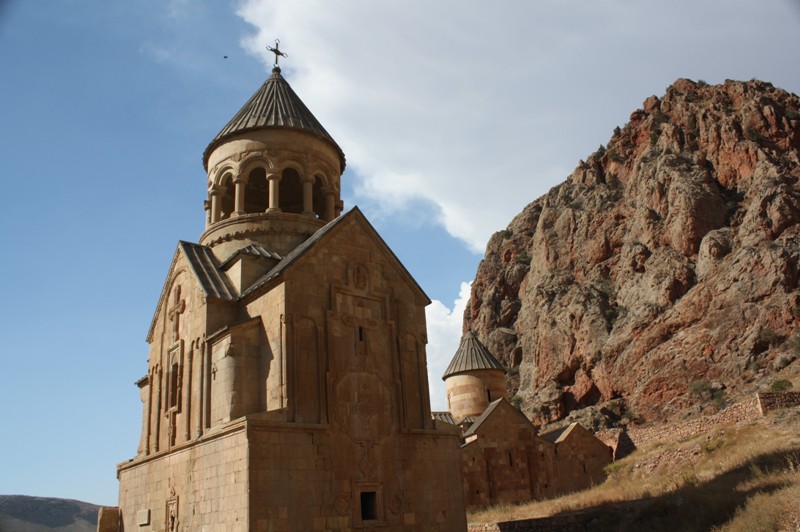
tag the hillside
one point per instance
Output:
(662, 277)
(20, 513)
(734, 478)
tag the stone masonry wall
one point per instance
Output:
(777, 400)
(626, 441)
(207, 481)
(559, 523)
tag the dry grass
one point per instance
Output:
(731, 479)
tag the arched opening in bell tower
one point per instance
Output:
(226, 197)
(318, 196)
(256, 192)
(291, 192)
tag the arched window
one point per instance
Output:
(291, 192)
(256, 192)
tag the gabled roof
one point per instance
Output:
(482, 417)
(294, 255)
(494, 405)
(445, 416)
(560, 434)
(214, 281)
(252, 250)
(206, 270)
(274, 105)
(471, 355)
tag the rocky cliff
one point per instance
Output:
(662, 277)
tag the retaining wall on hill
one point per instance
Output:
(625, 441)
(777, 400)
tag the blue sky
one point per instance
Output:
(452, 115)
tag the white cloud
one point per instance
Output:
(444, 335)
(479, 110)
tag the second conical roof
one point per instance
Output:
(471, 355)
(274, 105)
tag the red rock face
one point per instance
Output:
(667, 259)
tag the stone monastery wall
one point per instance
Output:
(777, 400)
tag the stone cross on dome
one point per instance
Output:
(276, 50)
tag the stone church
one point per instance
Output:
(504, 457)
(286, 384)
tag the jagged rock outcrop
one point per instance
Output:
(665, 267)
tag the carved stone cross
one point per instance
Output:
(175, 311)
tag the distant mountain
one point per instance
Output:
(664, 271)
(20, 513)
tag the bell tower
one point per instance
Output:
(273, 175)
(473, 379)
(286, 385)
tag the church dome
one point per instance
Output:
(273, 105)
(473, 380)
(273, 175)
(471, 355)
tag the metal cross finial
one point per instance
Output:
(276, 51)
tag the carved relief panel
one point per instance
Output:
(362, 363)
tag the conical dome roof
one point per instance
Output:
(471, 355)
(274, 105)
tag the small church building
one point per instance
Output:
(286, 385)
(504, 460)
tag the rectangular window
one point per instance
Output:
(173, 386)
(173, 378)
(368, 509)
(369, 506)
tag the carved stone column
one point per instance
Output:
(238, 207)
(213, 193)
(330, 204)
(159, 405)
(308, 197)
(201, 387)
(274, 192)
(187, 409)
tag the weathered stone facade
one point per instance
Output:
(581, 458)
(504, 461)
(503, 458)
(287, 385)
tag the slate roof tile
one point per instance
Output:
(471, 355)
(274, 105)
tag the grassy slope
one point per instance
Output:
(731, 478)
